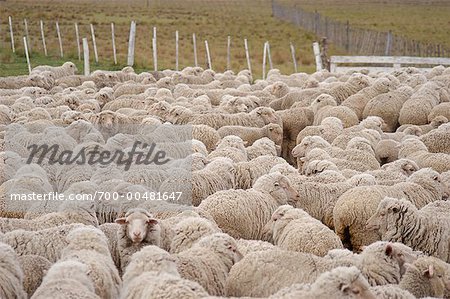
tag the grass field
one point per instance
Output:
(210, 20)
(423, 20)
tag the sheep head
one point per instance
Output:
(138, 224)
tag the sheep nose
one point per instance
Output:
(137, 234)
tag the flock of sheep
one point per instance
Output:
(326, 185)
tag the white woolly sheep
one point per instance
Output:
(415, 225)
(293, 229)
(67, 69)
(208, 262)
(34, 268)
(251, 208)
(341, 282)
(325, 106)
(272, 131)
(357, 205)
(11, 274)
(139, 229)
(64, 280)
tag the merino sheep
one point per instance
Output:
(208, 262)
(357, 205)
(293, 229)
(11, 274)
(400, 220)
(251, 208)
(341, 282)
(138, 229)
(66, 279)
(272, 131)
(325, 106)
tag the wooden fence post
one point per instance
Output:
(194, 42)
(131, 43)
(26, 54)
(264, 61)
(11, 34)
(155, 50)
(94, 43)
(87, 70)
(43, 38)
(294, 59)
(25, 23)
(347, 33)
(247, 54)
(77, 37)
(176, 50)
(60, 40)
(387, 52)
(208, 55)
(316, 50)
(113, 43)
(269, 56)
(228, 52)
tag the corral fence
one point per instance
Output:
(357, 41)
(86, 45)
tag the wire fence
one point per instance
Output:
(357, 41)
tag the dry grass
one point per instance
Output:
(422, 20)
(211, 20)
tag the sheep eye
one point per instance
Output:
(356, 291)
(276, 184)
(382, 214)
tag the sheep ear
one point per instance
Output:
(344, 287)
(389, 250)
(121, 221)
(429, 273)
(152, 221)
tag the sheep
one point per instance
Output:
(441, 109)
(68, 213)
(360, 100)
(248, 172)
(34, 268)
(415, 225)
(262, 147)
(67, 69)
(11, 274)
(325, 106)
(231, 147)
(329, 129)
(89, 246)
(434, 124)
(190, 229)
(386, 151)
(293, 121)
(357, 205)
(416, 109)
(258, 117)
(427, 276)
(262, 273)
(388, 106)
(293, 229)
(255, 206)
(414, 149)
(208, 262)
(341, 282)
(66, 279)
(138, 228)
(272, 131)
(438, 140)
(47, 243)
(207, 135)
(164, 285)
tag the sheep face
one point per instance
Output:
(387, 215)
(138, 225)
(266, 114)
(222, 244)
(279, 187)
